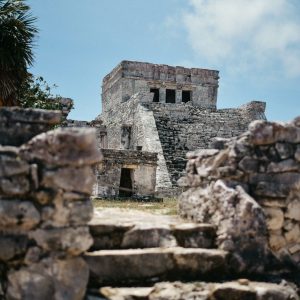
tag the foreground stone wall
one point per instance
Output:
(18, 125)
(45, 186)
(250, 189)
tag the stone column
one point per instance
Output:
(178, 96)
(162, 95)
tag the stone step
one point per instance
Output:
(122, 267)
(119, 229)
(235, 290)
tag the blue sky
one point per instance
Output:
(254, 44)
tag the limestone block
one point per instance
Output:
(115, 266)
(288, 224)
(236, 215)
(265, 133)
(12, 245)
(233, 290)
(273, 190)
(71, 240)
(294, 249)
(67, 213)
(191, 235)
(261, 132)
(44, 196)
(19, 125)
(248, 164)
(53, 148)
(288, 165)
(70, 179)
(18, 215)
(293, 235)
(276, 241)
(133, 264)
(275, 218)
(277, 203)
(10, 166)
(293, 210)
(297, 154)
(149, 237)
(50, 279)
(14, 186)
(284, 150)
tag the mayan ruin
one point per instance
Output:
(164, 111)
(236, 175)
(149, 151)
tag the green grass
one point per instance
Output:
(166, 207)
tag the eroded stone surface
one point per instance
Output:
(22, 215)
(119, 266)
(61, 147)
(51, 279)
(18, 125)
(71, 240)
(250, 190)
(236, 290)
(45, 186)
(116, 228)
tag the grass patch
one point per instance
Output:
(166, 207)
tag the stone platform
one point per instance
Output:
(138, 255)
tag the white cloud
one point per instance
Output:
(246, 33)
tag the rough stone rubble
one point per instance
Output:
(250, 189)
(45, 184)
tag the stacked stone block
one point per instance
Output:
(250, 188)
(183, 128)
(45, 184)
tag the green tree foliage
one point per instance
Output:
(35, 92)
(17, 35)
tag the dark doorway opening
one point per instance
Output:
(156, 94)
(186, 96)
(126, 183)
(170, 96)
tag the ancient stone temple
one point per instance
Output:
(165, 110)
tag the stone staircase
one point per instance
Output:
(183, 128)
(139, 255)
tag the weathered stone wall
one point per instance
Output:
(101, 131)
(183, 127)
(143, 132)
(143, 165)
(45, 185)
(251, 191)
(133, 117)
(18, 125)
(130, 77)
(173, 129)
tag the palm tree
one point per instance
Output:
(17, 34)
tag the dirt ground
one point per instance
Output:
(167, 206)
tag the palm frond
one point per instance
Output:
(17, 40)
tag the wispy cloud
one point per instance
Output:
(246, 33)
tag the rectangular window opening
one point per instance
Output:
(156, 94)
(170, 96)
(186, 96)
